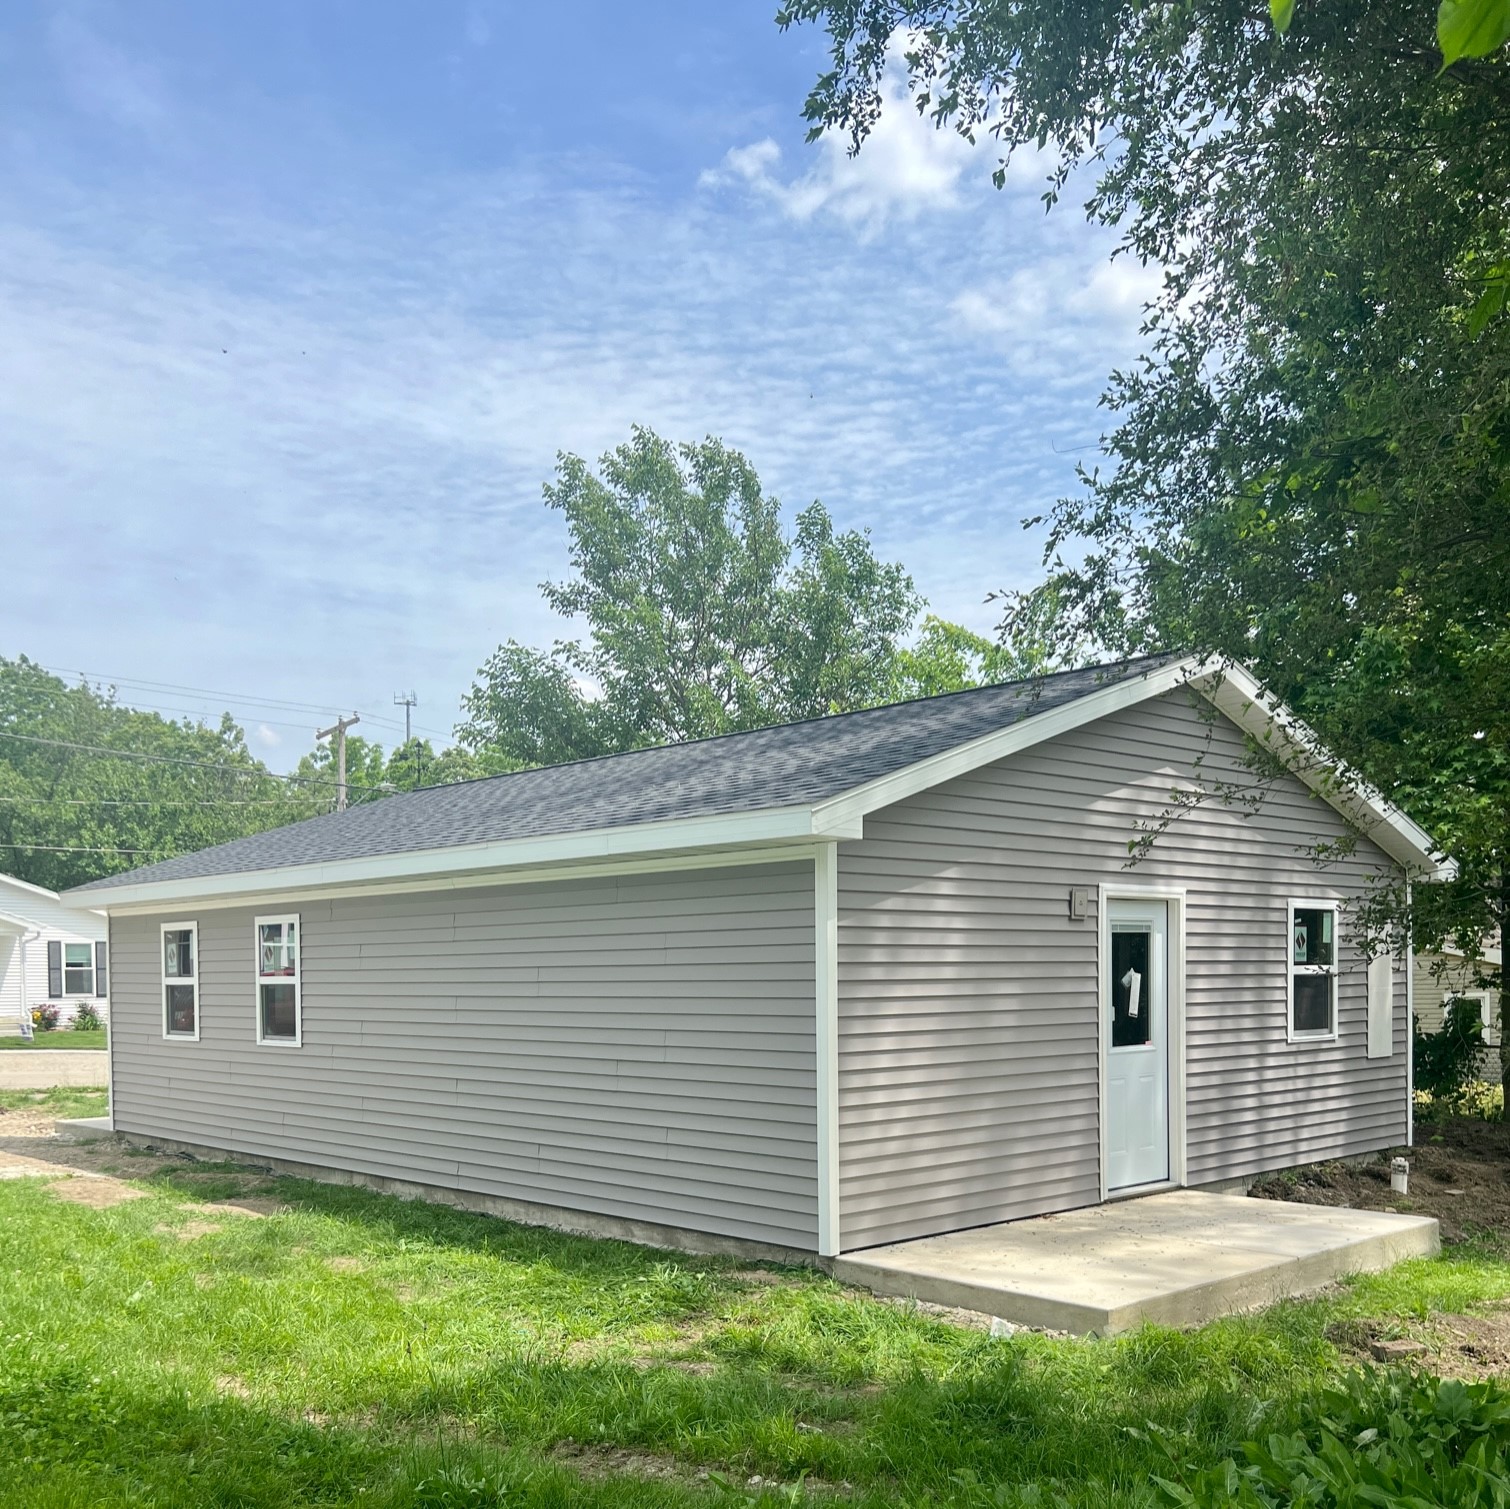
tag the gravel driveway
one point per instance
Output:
(43, 1068)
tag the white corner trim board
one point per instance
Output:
(826, 1002)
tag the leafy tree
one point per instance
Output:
(89, 787)
(703, 615)
(950, 658)
(1308, 466)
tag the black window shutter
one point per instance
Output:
(54, 968)
(101, 969)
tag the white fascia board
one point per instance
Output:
(1234, 692)
(10, 924)
(477, 864)
(1033, 729)
(28, 887)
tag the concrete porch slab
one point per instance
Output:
(1176, 1259)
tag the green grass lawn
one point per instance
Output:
(63, 1037)
(66, 1101)
(356, 1349)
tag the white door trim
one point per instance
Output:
(1110, 891)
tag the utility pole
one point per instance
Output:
(405, 700)
(338, 728)
(408, 701)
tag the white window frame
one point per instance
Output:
(78, 995)
(192, 928)
(297, 979)
(1334, 969)
(1488, 1015)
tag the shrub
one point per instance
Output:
(45, 1018)
(1386, 1439)
(1446, 1060)
(1476, 1100)
(86, 1018)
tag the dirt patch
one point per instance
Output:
(189, 1230)
(229, 1386)
(345, 1265)
(598, 1463)
(1453, 1346)
(256, 1208)
(1459, 1173)
(97, 1194)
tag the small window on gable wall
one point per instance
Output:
(180, 947)
(1313, 970)
(279, 1008)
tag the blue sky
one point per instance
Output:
(301, 300)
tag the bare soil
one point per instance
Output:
(1455, 1346)
(1459, 1173)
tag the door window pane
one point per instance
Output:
(1130, 988)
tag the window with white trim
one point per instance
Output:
(78, 969)
(180, 955)
(1313, 970)
(279, 1008)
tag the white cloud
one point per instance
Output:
(268, 738)
(1045, 316)
(906, 168)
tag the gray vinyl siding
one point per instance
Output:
(637, 1046)
(968, 1058)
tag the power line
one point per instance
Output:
(61, 849)
(282, 703)
(107, 801)
(131, 754)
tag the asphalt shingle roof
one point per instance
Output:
(792, 764)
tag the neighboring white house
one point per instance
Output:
(49, 953)
(1440, 977)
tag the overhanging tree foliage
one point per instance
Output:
(1307, 470)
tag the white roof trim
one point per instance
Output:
(481, 862)
(1234, 692)
(1001, 742)
(27, 886)
(11, 924)
(1231, 689)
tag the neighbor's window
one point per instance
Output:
(180, 980)
(278, 1004)
(78, 969)
(1313, 969)
(1488, 1016)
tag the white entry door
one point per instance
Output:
(1137, 1044)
